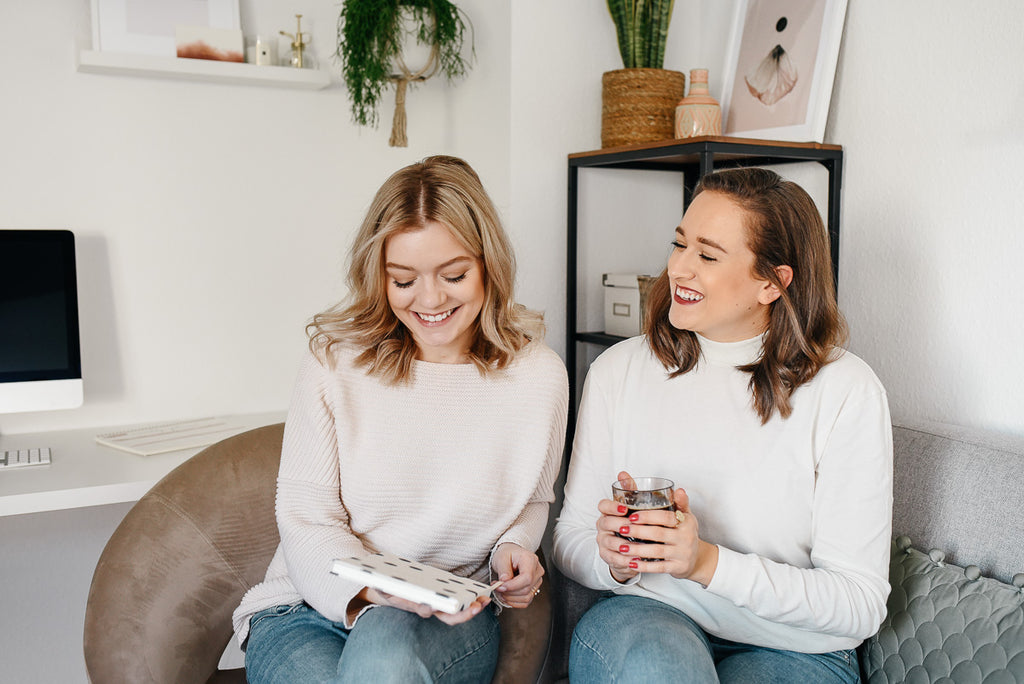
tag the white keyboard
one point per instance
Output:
(161, 438)
(22, 458)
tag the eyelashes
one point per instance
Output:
(454, 281)
(705, 257)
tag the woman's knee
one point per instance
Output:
(290, 644)
(630, 638)
(397, 646)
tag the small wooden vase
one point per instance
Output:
(698, 113)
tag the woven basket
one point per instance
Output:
(639, 105)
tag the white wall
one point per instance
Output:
(212, 220)
(927, 104)
(928, 115)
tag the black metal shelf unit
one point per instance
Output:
(694, 158)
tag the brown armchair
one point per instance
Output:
(160, 604)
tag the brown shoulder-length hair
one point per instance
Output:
(805, 327)
(438, 189)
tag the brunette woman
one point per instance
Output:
(774, 566)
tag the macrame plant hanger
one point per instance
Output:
(402, 81)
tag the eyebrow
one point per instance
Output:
(450, 262)
(704, 241)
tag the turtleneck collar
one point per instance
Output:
(731, 353)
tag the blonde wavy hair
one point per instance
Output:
(805, 327)
(438, 189)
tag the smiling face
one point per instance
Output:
(710, 271)
(436, 289)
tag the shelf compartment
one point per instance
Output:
(599, 338)
(693, 157)
(202, 70)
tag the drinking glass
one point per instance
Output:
(643, 494)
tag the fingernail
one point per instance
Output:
(633, 565)
(624, 529)
(634, 517)
(622, 509)
(624, 548)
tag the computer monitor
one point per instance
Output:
(40, 357)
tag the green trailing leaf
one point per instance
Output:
(641, 27)
(370, 38)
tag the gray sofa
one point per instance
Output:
(956, 611)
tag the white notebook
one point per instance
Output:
(439, 589)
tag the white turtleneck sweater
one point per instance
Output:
(441, 470)
(800, 508)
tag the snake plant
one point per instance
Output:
(642, 30)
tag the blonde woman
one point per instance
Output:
(428, 421)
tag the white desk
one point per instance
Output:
(84, 473)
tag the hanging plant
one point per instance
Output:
(370, 36)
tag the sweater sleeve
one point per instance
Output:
(845, 591)
(528, 528)
(311, 517)
(591, 470)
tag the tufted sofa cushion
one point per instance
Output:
(946, 624)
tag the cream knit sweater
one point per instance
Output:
(441, 470)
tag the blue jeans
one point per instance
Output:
(637, 639)
(296, 645)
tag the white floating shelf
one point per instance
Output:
(209, 71)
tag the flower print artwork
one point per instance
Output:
(776, 75)
(771, 83)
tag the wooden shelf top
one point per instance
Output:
(676, 152)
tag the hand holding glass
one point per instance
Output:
(643, 494)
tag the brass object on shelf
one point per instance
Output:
(300, 40)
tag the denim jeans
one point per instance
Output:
(295, 645)
(638, 639)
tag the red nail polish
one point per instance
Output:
(633, 565)
(624, 548)
(634, 517)
(624, 529)
(622, 509)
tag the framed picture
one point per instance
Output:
(780, 67)
(147, 27)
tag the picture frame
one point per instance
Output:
(780, 67)
(147, 27)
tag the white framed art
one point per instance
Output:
(147, 27)
(780, 67)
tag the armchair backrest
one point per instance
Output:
(160, 604)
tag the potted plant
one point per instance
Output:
(638, 101)
(371, 34)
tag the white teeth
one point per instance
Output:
(688, 295)
(434, 318)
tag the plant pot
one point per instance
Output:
(639, 105)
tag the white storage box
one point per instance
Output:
(621, 304)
